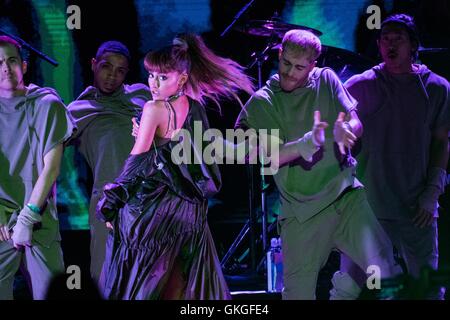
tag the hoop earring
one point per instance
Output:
(180, 85)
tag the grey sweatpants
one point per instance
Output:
(38, 264)
(418, 247)
(348, 225)
(99, 236)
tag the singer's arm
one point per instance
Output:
(273, 147)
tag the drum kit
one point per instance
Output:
(344, 62)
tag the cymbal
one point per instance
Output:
(432, 50)
(345, 63)
(268, 28)
(328, 49)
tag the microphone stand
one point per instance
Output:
(236, 17)
(259, 59)
(250, 226)
(24, 44)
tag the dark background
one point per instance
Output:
(229, 211)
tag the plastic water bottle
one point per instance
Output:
(278, 260)
(275, 266)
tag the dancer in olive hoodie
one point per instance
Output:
(34, 124)
(103, 114)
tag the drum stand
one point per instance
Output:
(251, 225)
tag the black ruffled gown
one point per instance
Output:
(162, 247)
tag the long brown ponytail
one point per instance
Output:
(210, 76)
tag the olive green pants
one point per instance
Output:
(348, 225)
(38, 264)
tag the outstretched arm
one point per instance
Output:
(274, 150)
(304, 147)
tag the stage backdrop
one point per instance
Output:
(146, 24)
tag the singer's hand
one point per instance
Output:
(343, 136)
(109, 225)
(135, 130)
(318, 130)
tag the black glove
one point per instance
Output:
(113, 198)
(116, 194)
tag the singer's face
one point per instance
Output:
(12, 69)
(164, 84)
(293, 69)
(110, 71)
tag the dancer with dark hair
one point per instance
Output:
(103, 114)
(34, 124)
(164, 248)
(405, 110)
